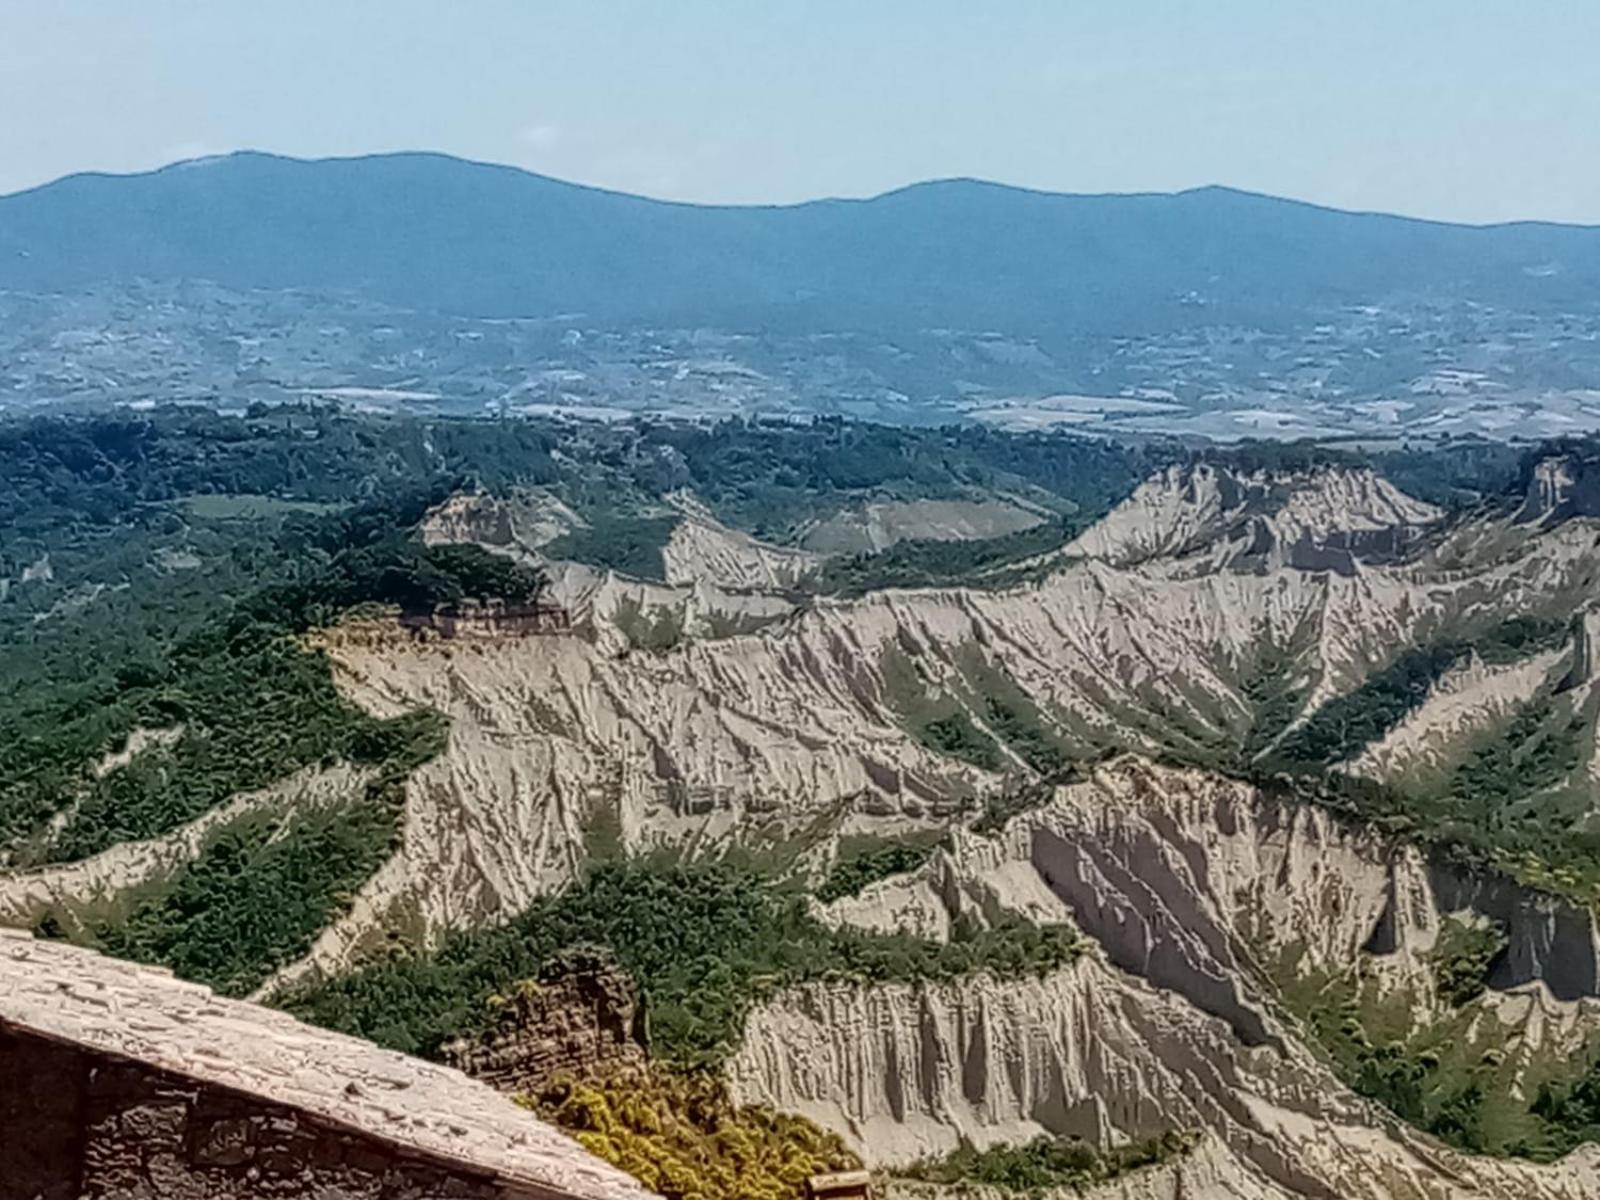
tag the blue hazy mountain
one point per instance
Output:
(430, 232)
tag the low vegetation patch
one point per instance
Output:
(1048, 1164)
(658, 631)
(254, 703)
(1017, 723)
(1274, 689)
(260, 892)
(1462, 957)
(630, 545)
(955, 734)
(1346, 725)
(864, 861)
(1569, 1113)
(1537, 841)
(969, 562)
(1536, 751)
(681, 1135)
(703, 942)
(1449, 1076)
(255, 708)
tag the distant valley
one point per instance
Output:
(420, 283)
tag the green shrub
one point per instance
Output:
(955, 734)
(1046, 1164)
(630, 545)
(1019, 727)
(865, 862)
(1462, 957)
(681, 1135)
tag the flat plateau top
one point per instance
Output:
(101, 1004)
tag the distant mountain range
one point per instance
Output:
(434, 233)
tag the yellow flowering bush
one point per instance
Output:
(680, 1134)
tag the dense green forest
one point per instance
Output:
(253, 704)
(1002, 561)
(1570, 1114)
(261, 891)
(864, 861)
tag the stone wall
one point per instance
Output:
(76, 1125)
(119, 1080)
(579, 1018)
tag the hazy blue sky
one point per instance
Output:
(1463, 109)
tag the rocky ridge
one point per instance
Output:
(1325, 519)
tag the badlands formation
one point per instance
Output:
(720, 708)
(804, 723)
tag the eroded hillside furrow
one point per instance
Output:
(1467, 703)
(1190, 879)
(1306, 991)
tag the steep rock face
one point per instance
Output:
(1560, 487)
(618, 613)
(523, 521)
(549, 737)
(908, 1071)
(580, 1018)
(1189, 880)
